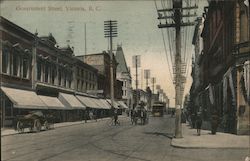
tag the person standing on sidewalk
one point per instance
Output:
(193, 119)
(86, 115)
(198, 123)
(115, 117)
(214, 123)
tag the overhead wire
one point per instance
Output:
(169, 67)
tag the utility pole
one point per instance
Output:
(136, 64)
(141, 78)
(85, 38)
(146, 76)
(179, 78)
(110, 31)
(153, 80)
(34, 61)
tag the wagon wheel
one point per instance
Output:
(46, 125)
(19, 127)
(37, 125)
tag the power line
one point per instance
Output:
(166, 56)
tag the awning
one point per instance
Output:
(105, 103)
(116, 105)
(24, 99)
(102, 104)
(70, 100)
(123, 105)
(53, 103)
(87, 101)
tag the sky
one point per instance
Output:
(137, 31)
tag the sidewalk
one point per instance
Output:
(207, 140)
(10, 131)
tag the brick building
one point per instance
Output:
(101, 61)
(37, 74)
(223, 88)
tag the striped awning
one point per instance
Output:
(123, 105)
(69, 100)
(53, 103)
(24, 99)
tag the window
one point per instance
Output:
(39, 70)
(86, 87)
(78, 84)
(78, 72)
(82, 73)
(65, 79)
(59, 77)
(16, 64)
(70, 80)
(25, 68)
(82, 89)
(5, 61)
(124, 84)
(46, 73)
(53, 74)
(86, 75)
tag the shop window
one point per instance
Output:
(5, 61)
(8, 107)
(25, 68)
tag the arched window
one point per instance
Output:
(5, 61)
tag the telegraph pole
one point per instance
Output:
(136, 64)
(178, 80)
(146, 76)
(153, 80)
(110, 31)
(85, 38)
(34, 61)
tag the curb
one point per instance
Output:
(197, 147)
(78, 123)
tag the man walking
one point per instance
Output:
(198, 123)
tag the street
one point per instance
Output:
(98, 141)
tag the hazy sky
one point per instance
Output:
(137, 30)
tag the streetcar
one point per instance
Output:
(158, 109)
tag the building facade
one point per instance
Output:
(224, 66)
(123, 74)
(36, 73)
(101, 61)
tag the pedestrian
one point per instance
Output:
(132, 116)
(214, 123)
(193, 118)
(115, 117)
(172, 113)
(86, 116)
(144, 116)
(198, 123)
